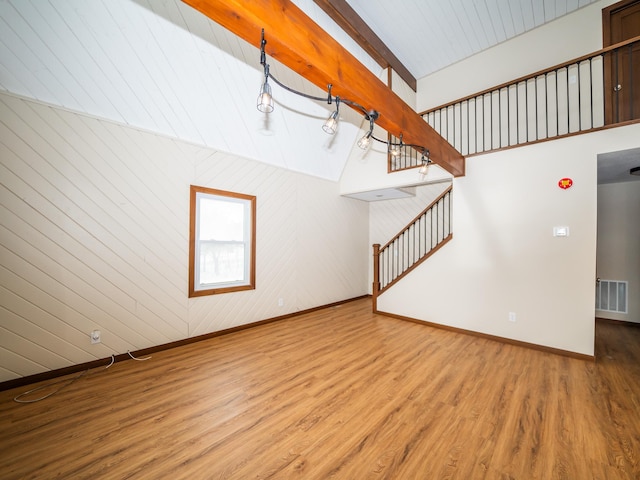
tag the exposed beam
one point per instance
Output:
(299, 43)
(345, 16)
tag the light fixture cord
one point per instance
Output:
(370, 115)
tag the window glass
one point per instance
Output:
(222, 242)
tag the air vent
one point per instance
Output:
(611, 296)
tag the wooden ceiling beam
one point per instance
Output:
(299, 43)
(348, 19)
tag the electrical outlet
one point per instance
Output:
(280, 302)
(95, 336)
(512, 316)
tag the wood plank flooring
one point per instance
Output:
(340, 393)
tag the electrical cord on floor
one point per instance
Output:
(113, 360)
(138, 359)
(65, 382)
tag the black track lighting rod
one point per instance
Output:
(370, 115)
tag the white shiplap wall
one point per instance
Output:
(94, 235)
(163, 66)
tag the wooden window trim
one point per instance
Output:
(194, 190)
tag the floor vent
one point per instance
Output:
(611, 296)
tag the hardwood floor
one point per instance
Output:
(339, 393)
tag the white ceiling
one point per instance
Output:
(161, 66)
(428, 35)
(614, 167)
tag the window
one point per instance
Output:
(222, 242)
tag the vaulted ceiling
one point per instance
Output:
(428, 35)
(164, 67)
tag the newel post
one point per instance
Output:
(376, 276)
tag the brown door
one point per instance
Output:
(620, 22)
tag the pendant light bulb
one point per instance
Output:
(426, 161)
(265, 99)
(365, 141)
(331, 125)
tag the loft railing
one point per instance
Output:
(408, 158)
(588, 93)
(420, 239)
(580, 95)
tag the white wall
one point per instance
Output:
(503, 257)
(401, 88)
(566, 38)
(619, 242)
(94, 235)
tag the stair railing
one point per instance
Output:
(420, 239)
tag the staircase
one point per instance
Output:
(589, 93)
(420, 239)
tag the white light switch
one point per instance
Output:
(560, 231)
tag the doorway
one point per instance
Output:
(620, 22)
(617, 247)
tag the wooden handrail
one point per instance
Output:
(376, 276)
(417, 217)
(570, 98)
(534, 75)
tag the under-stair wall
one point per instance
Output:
(505, 274)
